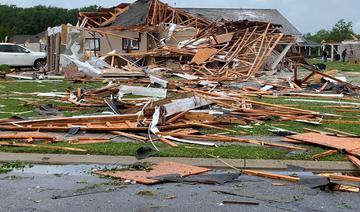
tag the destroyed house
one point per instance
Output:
(134, 21)
(33, 42)
(151, 32)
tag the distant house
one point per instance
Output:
(353, 50)
(309, 48)
(32, 42)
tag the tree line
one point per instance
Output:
(341, 31)
(30, 21)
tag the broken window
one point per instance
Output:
(129, 44)
(92, 44)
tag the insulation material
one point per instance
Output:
(185, 105)
(143, 91)
(75, 42)
(84, 67)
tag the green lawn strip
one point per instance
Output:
(298, 127)
(40, 86)
(234, 151)
(13, 104)
(330, 65)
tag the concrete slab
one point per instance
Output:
(204, 162)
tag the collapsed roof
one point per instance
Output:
(155, 13)
(259, 15)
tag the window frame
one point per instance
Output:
(125, 47)
(92, 42)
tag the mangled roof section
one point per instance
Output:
(102, 17)
(148, 13)
(259, 15)
(136, 14)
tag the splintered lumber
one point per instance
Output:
(166, 141)
(163, 168)
(344, 178)
(350, 145)
(270, 175)
(129, 135)
(76, 119)
(222, 138)
(354, 160)
(209, 126)
(42, 146)
(81, 141)
(224, 38)
(347, 188)
(28, 135)
(341, 132)
(176, 117)
(324, 154)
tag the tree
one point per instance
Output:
(341, 31)
(31, 21)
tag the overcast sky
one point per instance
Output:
(306, 15)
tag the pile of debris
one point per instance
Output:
(205, 81)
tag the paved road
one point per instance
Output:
(33, 190)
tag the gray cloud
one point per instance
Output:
(306, 15)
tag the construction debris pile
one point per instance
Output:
(204, 81)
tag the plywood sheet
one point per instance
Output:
(202, 55)
(163, 168)
(224, 38)
(350, 145)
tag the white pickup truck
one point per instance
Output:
(18, 56)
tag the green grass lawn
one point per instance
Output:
(14, 103)
(338, 65)
(228, 151)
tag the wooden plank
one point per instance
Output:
(42, 146)
(344, 178)
(166, 141)
(128, 135)
(350, 145)
(224, 38)
(203, 55)
(341, 132)
(324, 154)
(354, 160)
(270, 175)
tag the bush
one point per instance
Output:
(5, 68)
